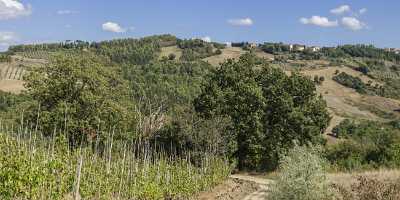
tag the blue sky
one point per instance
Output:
(312, 22)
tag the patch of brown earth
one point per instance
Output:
(231, 189)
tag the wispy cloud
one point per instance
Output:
(319, 21)
(10, 9)
(66, 12)
(241, 22)
(341, 9)
(362, 11)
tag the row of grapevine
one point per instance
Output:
(12, 72)
(385, 75)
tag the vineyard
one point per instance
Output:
(385, 75)
(37, 167)
(45, 55)
(12, 72)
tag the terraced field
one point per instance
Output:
(11, 74)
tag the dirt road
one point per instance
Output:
(262, 192)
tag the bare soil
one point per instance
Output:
(231, 189)
(13, 86)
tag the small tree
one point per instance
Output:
(321, 79)
(316, 79)
(171, 56)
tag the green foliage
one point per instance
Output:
(171, 56)
(129, 51)
(319, 79)
(78, 94)
(267, 108)
(391, 89)
(46, 170)
(351, 82)
(367, 144)
(368, 51)
(5, 57)
(166, 83)
(195, 49)
(302, 176)
(275, 48)
(9, 100)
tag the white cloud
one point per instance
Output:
(353, 23)
(68, 26)
(10, 9)
(7, 38)
(363, 10)
(113, 27)
(319, 21)
(341, 9)
(66, 12)
(206, 39)
(241, 22)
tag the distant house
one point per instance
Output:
(297, 47)
(394, 50)
(315, 48)
(253, 45)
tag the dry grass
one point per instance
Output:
(373, 185)
(347, 179)
(227, 53)
(343, 102)
(165, 51)
(13, 86)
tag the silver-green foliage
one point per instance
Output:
(302, 176)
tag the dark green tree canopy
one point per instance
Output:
(78, 94)
(268, 109)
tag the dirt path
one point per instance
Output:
(262, 192)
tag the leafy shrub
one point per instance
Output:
(351, 82)
(367, 144)
(302, 176)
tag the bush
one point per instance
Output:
(351, 82)
(367, 144)
(302, 176)
(171, 56)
